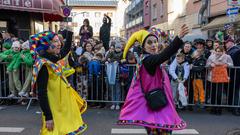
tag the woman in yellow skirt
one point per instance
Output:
(61, 105)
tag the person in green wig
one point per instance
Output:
(26, 58)
(12, 57)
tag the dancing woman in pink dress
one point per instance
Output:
(135, 110)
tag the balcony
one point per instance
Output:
(135, 22)
(93, 3)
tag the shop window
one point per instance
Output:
(3, 26)
(38, 27)
(56, 28)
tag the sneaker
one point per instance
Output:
(11, 96)
(117, 107)
(201, 105)
(21, 93)
(23, 103)
(26, 95)
(180, 106)
(112, 107)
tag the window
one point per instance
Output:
(97, 14)
(98, 24)
(170, 6)
(3, 24)
(38, 27)
(147, 3)
(56, 28)
(161, 8)
(110, 14)
(184, 6)
(154, 12)
(85, 14)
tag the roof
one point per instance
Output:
(219, 22)
(96, 3)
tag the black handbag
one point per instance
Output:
(156, 98)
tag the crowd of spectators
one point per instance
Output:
(95, 59)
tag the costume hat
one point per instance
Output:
(140, 36)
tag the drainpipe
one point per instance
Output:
(204, 6)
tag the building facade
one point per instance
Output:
(203, 17)
(155, 12)
(168, 15)
(175, 13)
(218, 18)
(134, 17)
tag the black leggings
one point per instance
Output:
(216, 93)
(155, 131)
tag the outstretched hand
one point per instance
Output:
(184, 31)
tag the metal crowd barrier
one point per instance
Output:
(96, 89)
(4, 84)
(100, 91)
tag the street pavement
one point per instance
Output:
(15, 120)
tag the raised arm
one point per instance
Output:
(67, 45)
(153, 61)
(157, 59)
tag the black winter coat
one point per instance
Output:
(105, 31)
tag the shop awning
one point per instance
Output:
(50, 8)
(219, 22)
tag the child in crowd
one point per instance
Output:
(26, 58)
(114, 59)
(200, 56)
(179, 71)
(111, 49)
(98, 48)
(116, 55)
(12, 56)
(82, 80)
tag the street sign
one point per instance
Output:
(67, 19)
(232, 11)
(234, 2)
(66, 10)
